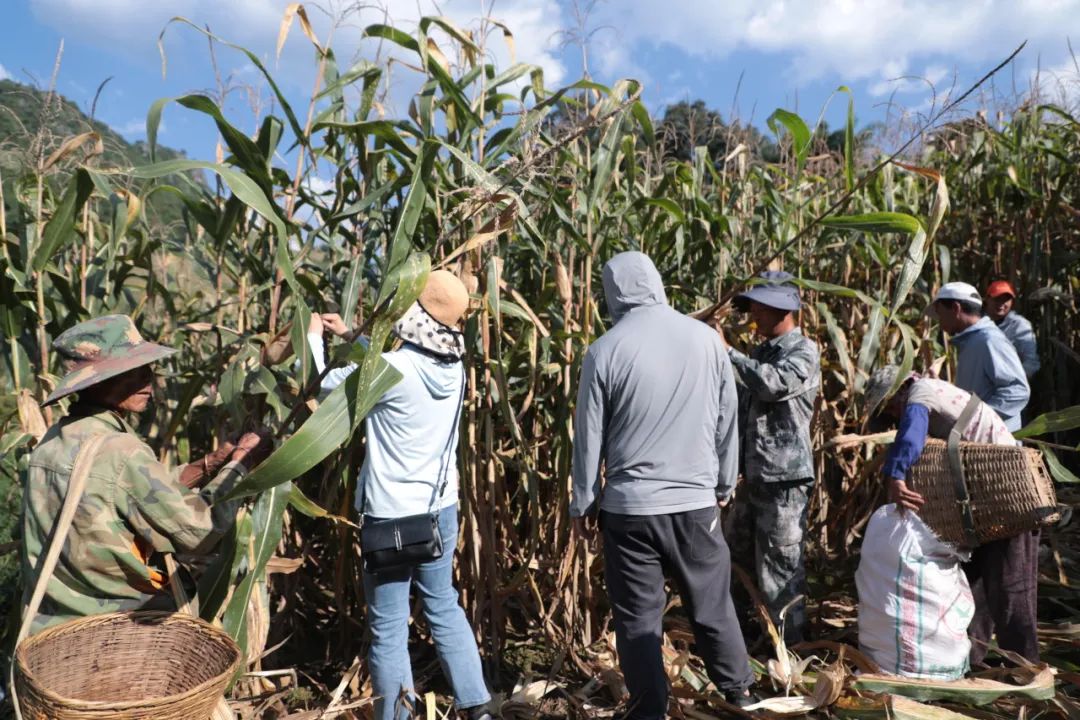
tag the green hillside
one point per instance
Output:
(31, 119)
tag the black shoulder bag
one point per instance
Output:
(391, 543)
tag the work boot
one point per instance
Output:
(740, 698)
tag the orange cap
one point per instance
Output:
(999, 288)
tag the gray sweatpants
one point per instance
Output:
(689, 548)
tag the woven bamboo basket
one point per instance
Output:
(125, 666)
(1011, 491)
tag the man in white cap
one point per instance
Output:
(986, 362)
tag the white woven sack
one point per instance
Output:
(915, 604)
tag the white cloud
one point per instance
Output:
(136, 128)
(849, 40)
(4, 74)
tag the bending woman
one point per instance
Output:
(411, 469)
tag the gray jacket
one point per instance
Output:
(1020, 333)
(778, 384)
(657, 405)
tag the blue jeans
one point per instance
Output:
(387, 595)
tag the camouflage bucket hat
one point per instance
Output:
(100, 349)
(880, 387)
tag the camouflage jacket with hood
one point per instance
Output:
(133, 509)
(778, 384)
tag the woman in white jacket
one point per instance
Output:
(410, 469)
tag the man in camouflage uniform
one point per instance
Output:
(133, 508)
(778, 384)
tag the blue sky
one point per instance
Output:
(789, 54)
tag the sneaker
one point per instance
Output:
(478, 712)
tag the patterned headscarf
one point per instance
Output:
(418, 328)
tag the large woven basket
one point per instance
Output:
(1011, 491)
(125, 666)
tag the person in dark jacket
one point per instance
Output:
(656, 410)
(1000, 301)
(778, 384)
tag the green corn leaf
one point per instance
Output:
(61, 226)
(241, 185)
(218, 577)
(849, 140)
(1051, 422)
(1060, 473)
(244, 188)
(402, 241)
(800, 134)
(876, 222)
(350, 295)
(328, 428)
(266, 523)
(871, 341)
(970, 692)
(294, 123)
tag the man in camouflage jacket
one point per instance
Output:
(133, 508)
(778, 385)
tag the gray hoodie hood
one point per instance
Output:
(631, 280)
(441, 379)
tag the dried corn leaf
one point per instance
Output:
(892, 707)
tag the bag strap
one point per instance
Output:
(444, 481)
(963, 497)
(80, 472)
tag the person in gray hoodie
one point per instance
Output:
(657, 410)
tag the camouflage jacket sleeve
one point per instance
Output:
(772, 382)
(164, 512)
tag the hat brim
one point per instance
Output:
(768, 296)
(98, 371)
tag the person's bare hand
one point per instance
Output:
(904, 497)
(724, 502)
(253, 447)
(335, 324)
(315, 325)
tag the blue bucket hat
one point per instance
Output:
(775, 290)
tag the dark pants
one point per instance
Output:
(688, 547)
(1004, 583)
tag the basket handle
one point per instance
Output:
(963, 497)
(80, 472)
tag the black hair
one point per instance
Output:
(967, 306)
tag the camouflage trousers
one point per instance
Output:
(767, 524)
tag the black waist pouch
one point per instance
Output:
(391, 543)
